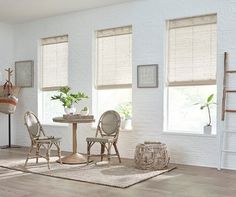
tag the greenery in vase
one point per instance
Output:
(207, 104)
(67, 98)
(125, 110)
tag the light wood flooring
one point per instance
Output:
(185, 181)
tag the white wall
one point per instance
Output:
(6, 61)
(148, 19)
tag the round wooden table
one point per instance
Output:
(74, 157)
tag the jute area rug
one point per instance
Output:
(7, 173)
(116, 175)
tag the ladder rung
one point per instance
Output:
(228, 151)
(230, 110)
(229, 131)
(230, 91)
(231, 71)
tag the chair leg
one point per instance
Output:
(28, 155)
(102, 151)
(48, 155)
(109, 153)
(88, 151)
(59, 151)
(37, 153)
(117, 152)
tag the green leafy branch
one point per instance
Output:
(207, 104)
(125, 109)
(67, 98)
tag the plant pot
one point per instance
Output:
(84, 113)
(122, 123)
(70, 110)
(128, 124)
(207, 129)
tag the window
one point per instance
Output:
(114, 68)
(54, 74)
(191, 72)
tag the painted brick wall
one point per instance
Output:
(6, 60)
(149, 34)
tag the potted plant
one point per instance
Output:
(84, 111)
(207, 105)
(125, 110)
(68, 99)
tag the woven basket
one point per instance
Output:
(7, 105)
(151, 156)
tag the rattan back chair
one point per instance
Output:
(107, 134)
(39, 139)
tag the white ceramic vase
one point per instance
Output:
(70, 110)
(207, 129)
(122, 123)
(126, 124)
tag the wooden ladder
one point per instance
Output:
(226, 91)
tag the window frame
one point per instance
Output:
(96, 88)
(42, 89)
(166, 94)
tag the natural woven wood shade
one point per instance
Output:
(192, 51)
(114, 58)
(54, 62)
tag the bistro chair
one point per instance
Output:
(106, 134)
(39, 139)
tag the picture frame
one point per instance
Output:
(147, 76)
(24, 73)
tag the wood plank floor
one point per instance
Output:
(185, 181)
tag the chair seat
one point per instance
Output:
(47, 139)
(100, 139)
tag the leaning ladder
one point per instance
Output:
(226, 91)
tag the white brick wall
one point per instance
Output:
(6, 60)
(148, 19)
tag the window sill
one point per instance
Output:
(188, 134)
(121, 130)
(55, 124)
(126, 130)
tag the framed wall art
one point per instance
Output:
(147, 76)
(24, 73)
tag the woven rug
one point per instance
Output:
(117, 175)
(7, 173)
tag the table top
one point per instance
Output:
(72, 120)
